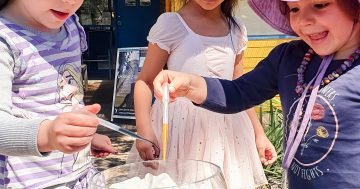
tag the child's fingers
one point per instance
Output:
(270, 156)
(156, 152)
(78, 119)
(261, 152)
(74, 131)
(100, 154)
(75, 147)
(273, 158)
(78, 141)
(174, 85)
(142, 155)
(89, 109)
(158, 83)
(150, 154)
(94, 108)
(153, 165)
(274, 154)
(104, 154)
(109, 149)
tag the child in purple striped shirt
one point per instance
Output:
(42, 143)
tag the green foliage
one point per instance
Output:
(270, 114)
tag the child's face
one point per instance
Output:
(324, 26)
(47, 15)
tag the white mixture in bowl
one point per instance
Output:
(160, 181)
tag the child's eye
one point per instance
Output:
(294, 9)
(321, 5)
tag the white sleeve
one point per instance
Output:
(167, 32)
(241, 38)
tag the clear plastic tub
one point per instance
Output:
(161, 174)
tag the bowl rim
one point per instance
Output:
(217, 172)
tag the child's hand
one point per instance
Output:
(181, 84)
(101, 146)
(145, 149)
(70, 132)
(266, 150)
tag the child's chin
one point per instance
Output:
(321, 51)
(55, 27)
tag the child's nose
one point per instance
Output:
(306, 18)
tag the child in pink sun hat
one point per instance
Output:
(317, 79)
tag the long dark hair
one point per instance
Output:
(350, 7)
(3, 3)
(227, 8)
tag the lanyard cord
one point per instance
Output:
(293, 141)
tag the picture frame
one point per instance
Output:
(129, 62)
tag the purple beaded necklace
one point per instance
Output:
(300, 85)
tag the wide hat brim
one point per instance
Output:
(269, 11)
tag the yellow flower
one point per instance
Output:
(322, 132)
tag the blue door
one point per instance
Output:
(133, 20)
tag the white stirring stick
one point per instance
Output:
(165, 126)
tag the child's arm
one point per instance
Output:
(155, 60)
(18, 137)
(101, 146)
(266, 150)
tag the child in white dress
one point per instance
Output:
(204, 40)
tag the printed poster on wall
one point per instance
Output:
(128, 65)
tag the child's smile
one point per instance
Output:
(318, 36)
(60, 15)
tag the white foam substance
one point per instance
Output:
(149, 181)
(161, 181)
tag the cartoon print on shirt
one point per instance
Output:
(318, 140)
(70, 87)
(321, 132)
(70, 93)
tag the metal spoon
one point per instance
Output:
(117, 128)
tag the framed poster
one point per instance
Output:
(129, 62)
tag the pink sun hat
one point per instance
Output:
(269, 11)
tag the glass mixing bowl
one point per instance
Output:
(161, 174)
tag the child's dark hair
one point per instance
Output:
(227, 8)
(350, 7)
(3, 3)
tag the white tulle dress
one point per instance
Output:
(195, 133)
